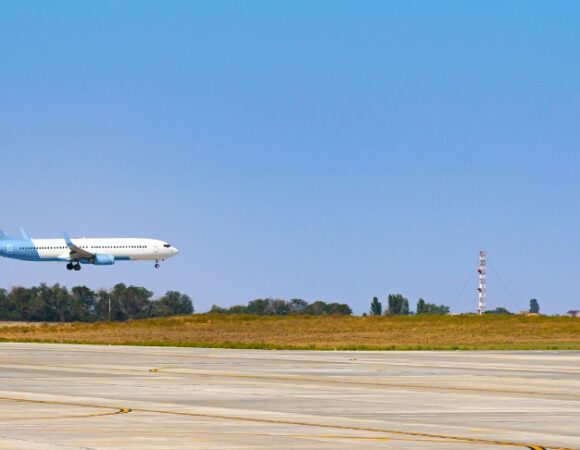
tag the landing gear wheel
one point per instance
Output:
(77, 266)
(157, 265)
(69, 266)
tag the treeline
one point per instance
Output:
(398, 305)
(279, 307)
(80, 304)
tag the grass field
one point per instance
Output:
(319, 333)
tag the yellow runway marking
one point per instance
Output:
(425, 436)
(71, 416)
(440, 437)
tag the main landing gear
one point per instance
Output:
(157, 264)
(71, 266)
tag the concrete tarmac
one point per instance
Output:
(100, 397)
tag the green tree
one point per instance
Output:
(339, 309)
(10, 305)
(20, 299)
(277, 307)
(172, 304)
(83, 304)
(4, 305)
(131, 302)
(430, 308)
(421, 306)
(258, 306)
(397, 305)
(534, 306)
(50, 303)
(297, 305)
(102, 306)
(317, 308)
(62, 303)
(56, 303)
(498, 310)
(42, 305)
(238, 309)
(405, 308)
(376, 307)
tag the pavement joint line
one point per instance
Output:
(319, 380)
(346, 427)
(323, 380)
(119, 410)
(438, 437)
(362, 438)
(215, 382)
(308, 396)
(370, 361)
(44, 443)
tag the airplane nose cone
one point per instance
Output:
(174, 251)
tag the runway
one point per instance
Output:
(100, 397)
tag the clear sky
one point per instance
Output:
(318, 149)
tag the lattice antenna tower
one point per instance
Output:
(481, 286)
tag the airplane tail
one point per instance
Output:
(5, 237)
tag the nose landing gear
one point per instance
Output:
(157, 264)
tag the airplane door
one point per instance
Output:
(9, 249)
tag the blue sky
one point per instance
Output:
(322, 150)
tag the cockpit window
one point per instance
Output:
(166, 245)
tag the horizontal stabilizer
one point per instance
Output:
(4, 236)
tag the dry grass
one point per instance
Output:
(320, 333)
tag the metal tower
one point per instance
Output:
(482, 282)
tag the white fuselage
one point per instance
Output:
(120, 248)
(87, 250)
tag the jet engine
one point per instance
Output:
(103, 259)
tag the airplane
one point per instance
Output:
(100, 252)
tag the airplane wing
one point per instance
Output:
(76, 253)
